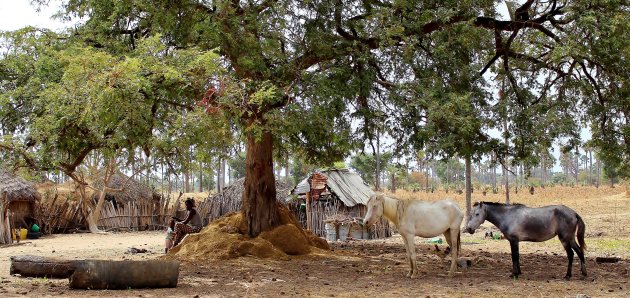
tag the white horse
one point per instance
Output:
(418, 218)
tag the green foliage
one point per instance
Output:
(324, 77)
(237, 164)
(300, 170)
(83, 99)
(365, 165)
(450, 171)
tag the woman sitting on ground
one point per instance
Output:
(192, 223)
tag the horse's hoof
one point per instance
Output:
(414, 275)
(515, 276)
(567, 277)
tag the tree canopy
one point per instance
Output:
(321, 78)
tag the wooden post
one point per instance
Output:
(309, 225)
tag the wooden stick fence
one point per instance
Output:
(328, 207)
(139, 215)
(59, 216)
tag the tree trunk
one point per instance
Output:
(599, 173)
(309, 224)
(426, 177)
(507, 145)
(377, 181)
(468, 186)
(590, 168)
(286, 169)
(186, 181)
(393, 183)
(124, 275)
(43, 267)
(259, 198)
(542, 172)
(448, 172)
(506, 176)
(96, 212)
(223, 168)
(201, 177)
(577, 168)
(219, 176)
(494, 172)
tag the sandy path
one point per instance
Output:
(86, 246)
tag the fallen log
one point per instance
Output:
(36, 266)
(122, 275)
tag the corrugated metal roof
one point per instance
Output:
(348, 186)
(302, 188)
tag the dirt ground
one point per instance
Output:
(361, 268)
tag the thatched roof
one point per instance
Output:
(132, 189)
(13, 188)
(234, 191)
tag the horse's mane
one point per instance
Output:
(498, 204)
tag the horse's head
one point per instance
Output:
(374, 209)
(477, 217)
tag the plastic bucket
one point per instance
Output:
(331, 233)
(356, 232)
(344, 229)
(23, 233)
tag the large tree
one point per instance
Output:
(70, 100)
(327, 74)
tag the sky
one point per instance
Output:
(16, 14)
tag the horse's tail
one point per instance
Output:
(581, 227)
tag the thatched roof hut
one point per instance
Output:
(18, 201)
(132, 190)
(230, 199)
(138, 204)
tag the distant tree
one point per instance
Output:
(365, 165)
(237, 164)
(300, 170)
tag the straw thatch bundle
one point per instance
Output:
(13, 188)
(230, 200)
(18, 196)
(132, 190)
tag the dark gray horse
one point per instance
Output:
(520, 223)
